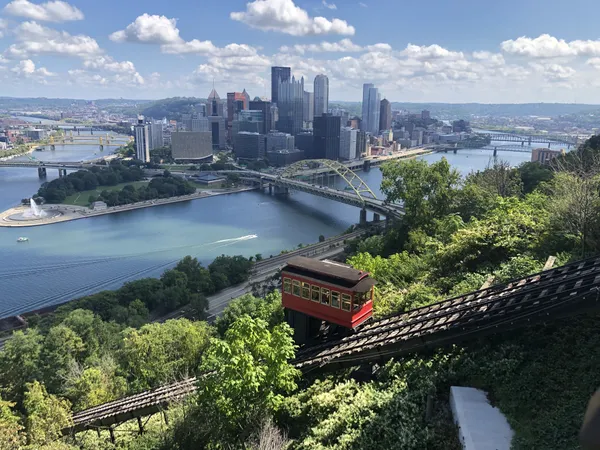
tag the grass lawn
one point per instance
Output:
(81, 198)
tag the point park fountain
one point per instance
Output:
(33, 213)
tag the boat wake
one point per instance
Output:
(238, 239)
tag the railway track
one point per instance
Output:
(545, 296)
(539, 297)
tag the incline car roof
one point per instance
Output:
(328, 268)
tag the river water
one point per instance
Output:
(69, 260)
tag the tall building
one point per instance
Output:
(214, 105)
(191, 146)
(361, 143)
(348, 143)
(234, 106)
(321, 94)
(327, 137)
(278, 75)
(246, 99)
(248, 120)
(308, 107)
(385, 115)
(280, 141)
(155, 134)
(290, 104)
(248, 145)
(370, 109)
(259, 105)
(142, 144)
(305, 142)
(217, 129)
(425, 115)
(198, 123)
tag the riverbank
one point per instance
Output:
(32, 148)
(68, 213)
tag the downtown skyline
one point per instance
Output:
(150, 50)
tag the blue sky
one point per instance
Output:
(441, 50)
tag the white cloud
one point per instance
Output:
(345, 45)
(285, 17)
(493, 59)
(26, 69)
(35, 39)
(108, 64)
(3, 26)
(147, 29)
(209, 49)
(430, 52)
(329, 5)
(594, 62)
(553, 72)
(52, 11)
(546, 46)
(364, 5)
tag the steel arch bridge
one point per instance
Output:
(356, 183)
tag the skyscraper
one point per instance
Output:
(259, 105)
(214, 105)
(216, 120)
(348, 143)
(290, 103)
(155, 134)
(321, 94)
(370, 109)
(309, 104)
(385, 115)
(278, 74)
(142, 146)
(327, 137)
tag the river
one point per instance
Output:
(69, 260)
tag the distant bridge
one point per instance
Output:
(566, 139)
(42, 166)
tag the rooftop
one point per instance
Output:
(208, 177)
(330, 268)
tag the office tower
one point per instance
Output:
(278, 75)
(248, 145)
(246, 99)
(235, 104)
(259, 105)
(191, 146)
(198, 123)
(370, 109)
(217, 128)
(361, 143)
(274, 116)
(385, 115)
(248, 120)
(305, 142)
(290, 104)
(308, 107)
(327, 137)
(155, 134)
(280, 141)
(321, 94)
(348, 143)
(142, 146)
(214, 105)
(425, 115)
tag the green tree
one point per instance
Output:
(426, 191)
(46, 415)
(62, 348)
(96, 385)
(198, 278)
(268, 309)
(10, 427)
(159, 353)
(247, 374)
(321, 238)
(20, 362)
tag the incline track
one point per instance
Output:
(544, 296)
(536, 298)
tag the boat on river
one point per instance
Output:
(23, 239)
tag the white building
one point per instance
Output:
(321, 94)
(348, 137)
(142, 144)
(155, 134)
(308, 107)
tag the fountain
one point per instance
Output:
(35, 212)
